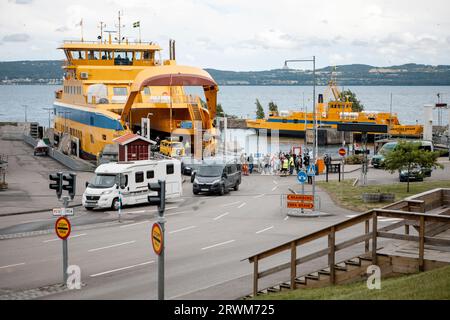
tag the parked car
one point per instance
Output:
(171, 148)
(415, 174)
(217, 178)
(378, 159)
(189, 165)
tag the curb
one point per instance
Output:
(310, 215)
(34, 211)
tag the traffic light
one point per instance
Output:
(71, 179)
(160, 188)
(56, 183)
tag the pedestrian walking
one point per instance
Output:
(250, 163)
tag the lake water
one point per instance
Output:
(408, 102)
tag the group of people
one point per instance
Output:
(281, 163)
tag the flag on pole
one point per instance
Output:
(136, 24)
(79, 23)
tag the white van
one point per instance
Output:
(131, 180)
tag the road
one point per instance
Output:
(207, 237)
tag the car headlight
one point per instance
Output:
(106, 192)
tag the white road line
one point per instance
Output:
(242, 205)
(259, 196)
(133, 212)
(120, 269)
(274, 188)
(13, 265)
(260, 231)
(219, 244)
(221, 216)
(274, 182)
(70, 237)
(112, 246)
(182, 229)
(133, 224)
(230, 204)
(287, 217)
(175, 213)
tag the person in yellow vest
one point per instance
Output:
(285, 167)
(291, 165)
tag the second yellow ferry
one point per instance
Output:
(328, 115)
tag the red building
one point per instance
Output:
(134, 147)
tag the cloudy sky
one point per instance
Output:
(241, 35)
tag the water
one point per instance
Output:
(240, 100)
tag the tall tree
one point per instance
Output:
(408, 156)
(219, 110)
(259, 110)
(273, 107)
(348, 95)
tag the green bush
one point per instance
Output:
(354, 159)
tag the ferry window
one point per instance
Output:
(104, 137)
(120, 91)
(122, 58)
(92, 138)
(284, 120)
(106, 55)
(147, 55)
(147, 91)
(93, 55)
(137, 55)
(295, 120)
(139, 177)
(170, 168)
(150, 174)
(81, 55)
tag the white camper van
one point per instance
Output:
(131, 179)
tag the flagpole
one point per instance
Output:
(139, 32)
(81, 23)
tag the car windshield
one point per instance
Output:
(103, 181)
(210, 171)
(388, 147)
(177, 145)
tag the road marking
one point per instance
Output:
(259, 196)
(174, 213)
(219, 244)
(274, 188)
(260, 231)
(112, 246)
(13, 265)
(120, 269)
(133, 224)
(287, 217)
(182, 229)
(274, 182)
(70, 237)
(242, 205)
(221, 216)
(230, 204)
(133, 212)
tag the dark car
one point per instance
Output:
(217, 178)
(415, 174)
(189, 165)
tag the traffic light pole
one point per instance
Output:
(161, 221)
(66, 200)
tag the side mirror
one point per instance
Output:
(87, 184)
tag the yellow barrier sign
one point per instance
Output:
(62, 228)
(157, 238)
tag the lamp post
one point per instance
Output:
(26, 108)
(313, 60)
(49, 113)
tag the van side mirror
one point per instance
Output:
(87, 184)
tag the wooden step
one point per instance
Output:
(301, 281)
(340, 268)
(285, 285)
(273, 289)
(312, 277)
(353, 263)
(324, 272)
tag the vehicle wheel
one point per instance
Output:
(192, 178)
(222, 190)
(195, 192)
(115, 204)
(89, 208)
(236, 187)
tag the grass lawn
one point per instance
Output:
(428, 285)
(345, 195)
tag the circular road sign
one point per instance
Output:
(157, 238)
(63, 228)
(342, 152)
(302, 177)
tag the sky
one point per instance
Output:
(240, 35)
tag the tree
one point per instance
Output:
(259, 110)
(219, 110)
(408, 156)
(348, 95)
(273, 107)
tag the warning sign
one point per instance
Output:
(157, 238)
(62, 228)
(300, 197)
(300, 205)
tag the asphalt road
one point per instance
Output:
(207, 237)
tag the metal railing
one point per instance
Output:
(396, 210)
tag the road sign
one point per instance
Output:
(62, 228)
(311, 170)
(300, 205)
(300, 197)
(157, 238)
(302, 177)
(342, 152)
(62, 212)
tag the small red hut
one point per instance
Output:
(134, 147)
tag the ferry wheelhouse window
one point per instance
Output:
(79, 55)
(122, 58)
(147, 91)
(93, 55)
(120, 91)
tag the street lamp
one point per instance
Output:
(313, 60)
(49, 113)
(26, 108)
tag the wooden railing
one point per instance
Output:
(395, 210)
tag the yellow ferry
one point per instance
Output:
(110, 86)
(328, 115)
